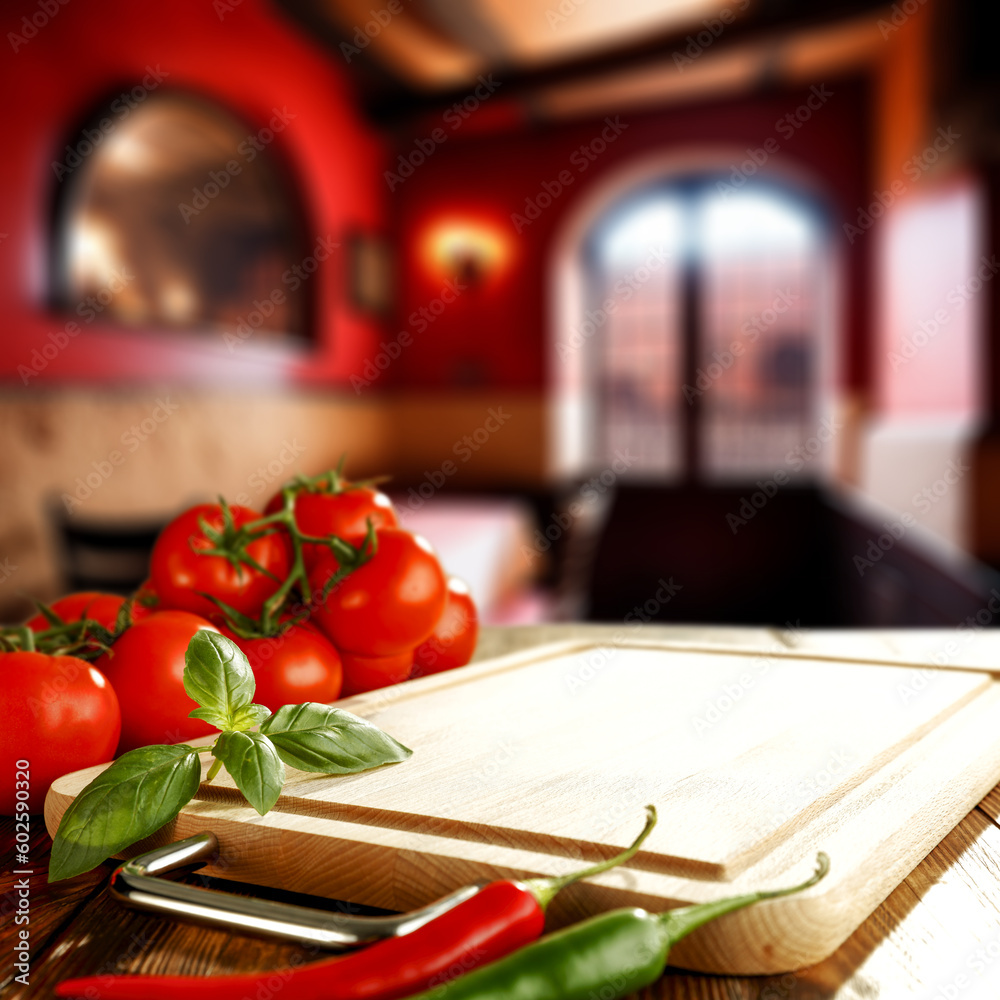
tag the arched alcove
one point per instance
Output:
(694, 322)
(174, 216)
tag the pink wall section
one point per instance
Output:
(930, 317)
(242, 54)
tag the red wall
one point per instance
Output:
(242, 54)
(497, 333)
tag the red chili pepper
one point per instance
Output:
(500, 918)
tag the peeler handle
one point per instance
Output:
(135, 884)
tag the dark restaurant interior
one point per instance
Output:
(651, 311)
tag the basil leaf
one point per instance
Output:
(316, 737)
(131, 799)
(249, 716)
(218, 677)
(212, 717)
(253, 763)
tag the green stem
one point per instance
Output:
(214, 769)
(85, 638)
(544, 889)
(230, 543)
(681, 922)
(278, 517)
(297, 573)
(28, 638)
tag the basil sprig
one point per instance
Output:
(146, 788)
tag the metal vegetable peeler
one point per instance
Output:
(135, 885)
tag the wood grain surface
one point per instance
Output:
(937, 935)
(533, 763)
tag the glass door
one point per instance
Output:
(705, 299)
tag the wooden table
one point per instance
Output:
(936, 937)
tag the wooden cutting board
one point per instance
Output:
(538, 762)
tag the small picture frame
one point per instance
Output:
(370, 273)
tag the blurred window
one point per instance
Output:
(176, 218)
(636, 293)
(707, 304)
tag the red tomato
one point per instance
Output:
(298, 665)
(178, 571)
(453, 640)
(389, 605)
(342, 514)
(102, 608)
(146, 668)
(367, 673)
(60, 714)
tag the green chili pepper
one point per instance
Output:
(603, 958)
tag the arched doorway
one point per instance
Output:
(694, 325)
(694, 367)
